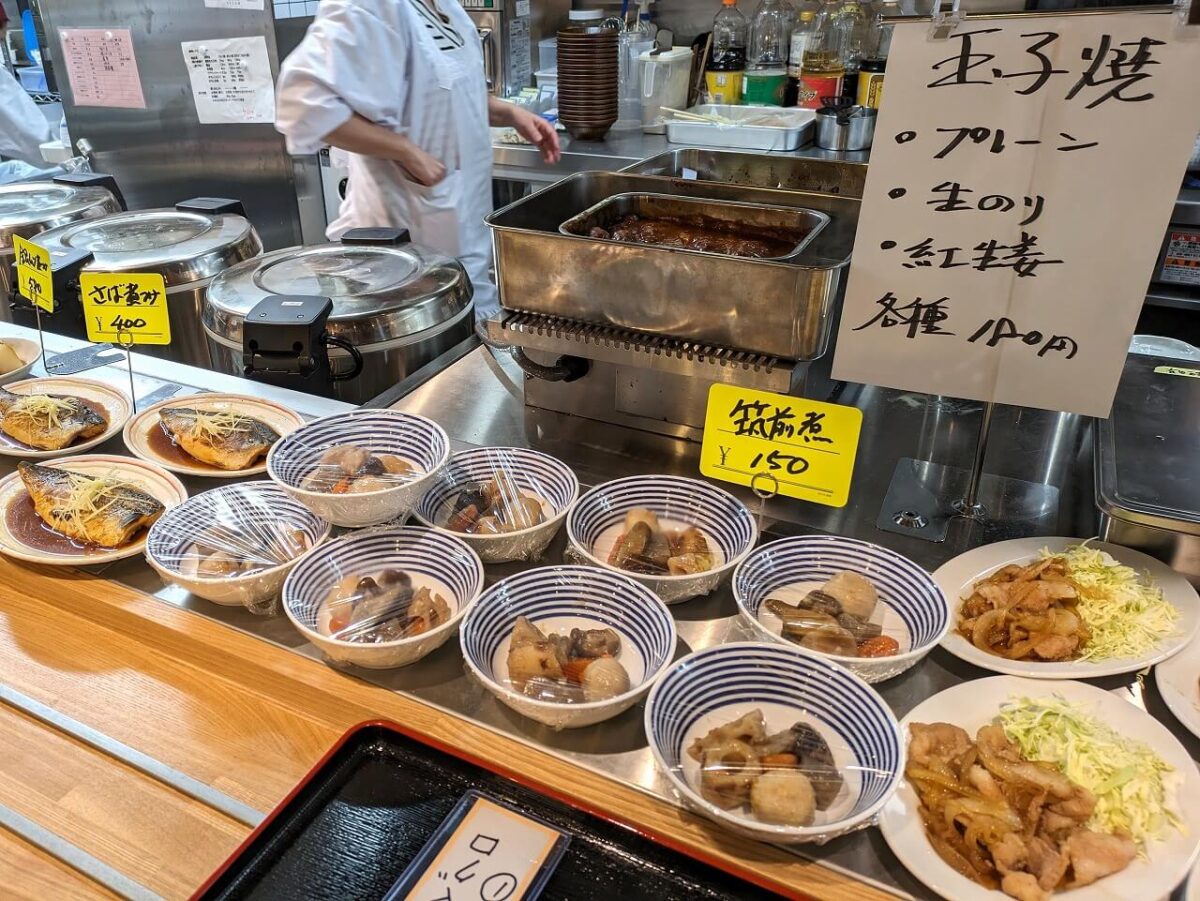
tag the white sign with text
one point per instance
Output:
(1021, 180)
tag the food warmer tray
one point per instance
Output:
(806, 223)
(780, 309)
(758, 170)
(353, 824)
(795, 132)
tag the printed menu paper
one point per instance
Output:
(1021, 180)
(234, 4)
(101, 67)
(231, 80)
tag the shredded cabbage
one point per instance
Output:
(1134, 787)
(1124, 609)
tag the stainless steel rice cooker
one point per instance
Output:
(395, 304)
(187, 246)
(31, 208)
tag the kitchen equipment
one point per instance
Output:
(508, 30)
(805, 224)
(636, 335)
(845, 127)
(588, 80)
(1146, 452)
(757, 170)
(664, 82)
(1179, 259)
(548, 54)
(397, 304)
(629, 91)
(186, 245)
(31, 208)
(753, 128)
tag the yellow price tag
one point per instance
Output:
(34, 281)
(125, 308)
(790, 445)
(1178, 370)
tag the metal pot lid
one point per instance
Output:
(183, 247)
(34, 207)
(379, 293)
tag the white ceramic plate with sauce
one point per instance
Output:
(958, 577)
(24, 536)
(146, 438)
(976, 703)
(110, 402)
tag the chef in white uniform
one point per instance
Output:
(399, 85)
(22, 126)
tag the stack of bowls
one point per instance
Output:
(587, 80)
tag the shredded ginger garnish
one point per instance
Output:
(43, 408)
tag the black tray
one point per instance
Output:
(350, 828)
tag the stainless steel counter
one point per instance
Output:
(478, 399)
(523, 162)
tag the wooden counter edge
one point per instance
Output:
(341, 701)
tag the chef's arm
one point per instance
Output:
(361, 136)
(534, 129)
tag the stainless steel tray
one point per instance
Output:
(742, 127)
(759, 170)
(782, 309)
(805, 223)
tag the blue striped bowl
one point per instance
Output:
(419, 552)
(788, 684)
(415, 438)
(551, 480)
(913, 605)
(725, 521)
(565, 597)
(251, 512)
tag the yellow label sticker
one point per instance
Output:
(1178, 370)
(34, 281)
(787, 445)
(125, 308)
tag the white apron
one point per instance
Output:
(380, 59)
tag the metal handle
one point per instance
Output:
(489, 57)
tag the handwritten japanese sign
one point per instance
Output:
(102, 68)
(494, 854)
(790, 445)
(34, 281)
(1022, 177)
(125, 308)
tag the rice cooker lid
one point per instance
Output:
(182, 245)
(34, 207)
(380, 292)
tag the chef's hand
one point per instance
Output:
(422, 167)
(538, 132)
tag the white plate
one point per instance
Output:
(154, 480)
(958, 576)
(28, 351)
(1178, 682)
(138, 430)
(974, 704)
(116, 407)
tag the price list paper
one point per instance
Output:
(125, 308)
(231, 80)
(1021, 179)
(101, 67)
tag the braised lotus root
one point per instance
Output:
(784, 778)
(645, 547)
(581, 666)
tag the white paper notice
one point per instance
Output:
(231, 80)
(101, 67)
(1020, 184)
(234, 4)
